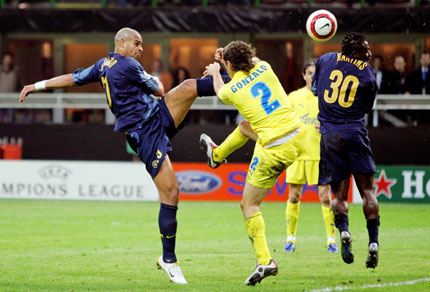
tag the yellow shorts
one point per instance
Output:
(302, 171)
(268, 163)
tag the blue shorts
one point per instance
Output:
(344, 153)
(151, 141)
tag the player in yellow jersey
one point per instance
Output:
(304, 169)
(257, 93)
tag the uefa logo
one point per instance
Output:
(197, 182)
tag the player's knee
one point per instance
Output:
(294, 194)
(293, 198)
(369, 200)
(245, 205)
(242, 205)
(189, 85)
(325, 199)
(172, 193)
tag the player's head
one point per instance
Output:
(239, 54)
(355, 45)
(308, 71)
(128, 43)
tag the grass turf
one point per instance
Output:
(113, 246)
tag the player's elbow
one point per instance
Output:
(159, 92)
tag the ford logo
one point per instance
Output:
(197, 182)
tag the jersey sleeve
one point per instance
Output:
(137, 74)
(87, 75)
(223, 95)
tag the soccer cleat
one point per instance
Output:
(207, 145)
(289, 246)
(332, 248)
(346, 247)
(173, 270)
(372, 257)
(262, 272)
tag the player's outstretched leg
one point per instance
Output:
(346, 249)
(260, 272)
(208, 146)
(216, 155)
(168, 189)
(179, 100)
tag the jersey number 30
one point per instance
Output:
(262, 89)
(343, 83)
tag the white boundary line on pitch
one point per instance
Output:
(341, 288)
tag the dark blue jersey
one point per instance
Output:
(346, 90)
(128, 89)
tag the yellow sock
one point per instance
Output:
(292, 215)
(256, 232)
(234, 141)
(328, 217)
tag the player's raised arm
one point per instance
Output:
(213, 70)
(62, 81)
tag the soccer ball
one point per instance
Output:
(321, 25)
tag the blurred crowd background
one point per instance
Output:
(401, 59)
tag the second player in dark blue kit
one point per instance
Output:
(346, 87)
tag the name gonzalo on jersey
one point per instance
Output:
(251, 77)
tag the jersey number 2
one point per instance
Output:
(343, 83)
(262, 89)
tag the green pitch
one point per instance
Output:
(111, 246)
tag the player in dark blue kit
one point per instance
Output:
(346, 88)
(148, 122)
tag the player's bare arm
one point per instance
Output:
(62, 81)
(218, 58)
(213, 70)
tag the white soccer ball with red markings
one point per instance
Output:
(321, 25)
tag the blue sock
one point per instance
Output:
(205, 86)
(168, 225)
(373, 230)
(341, 221)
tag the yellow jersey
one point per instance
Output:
(306, 106)
(261, 99)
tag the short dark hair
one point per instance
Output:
(240, 55)
(308, 63)
(353, 45)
